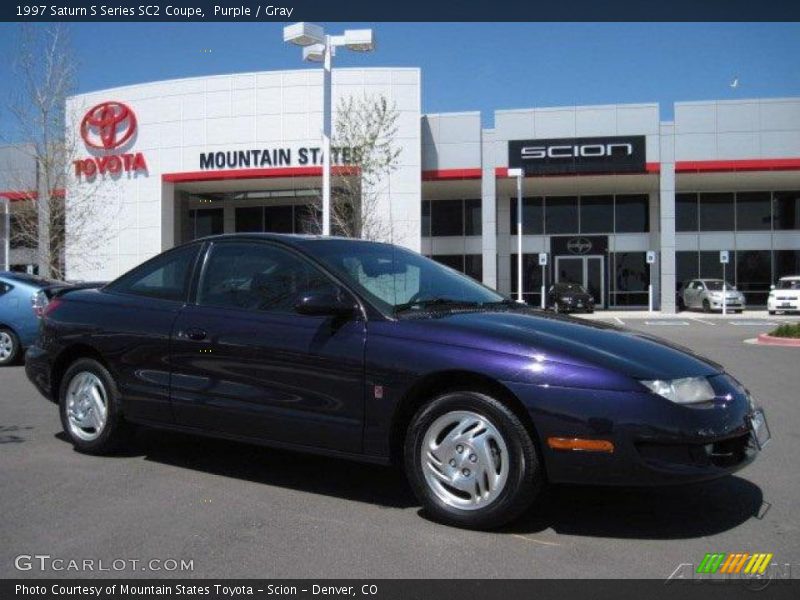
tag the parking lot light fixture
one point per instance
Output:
(319, 47)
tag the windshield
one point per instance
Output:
(789, 284)
(716, 286)
(395, 279)
(566, 288)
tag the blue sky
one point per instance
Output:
(480, 66)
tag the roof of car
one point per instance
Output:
(296, 239)
(790, 278)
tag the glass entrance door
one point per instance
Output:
(587, 271)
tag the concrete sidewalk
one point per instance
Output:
(699, 316)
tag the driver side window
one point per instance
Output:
(255, 276)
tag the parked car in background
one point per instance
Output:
(372, 352)
(569, 297)
(785, 296)
(23, 297)
(708, 295)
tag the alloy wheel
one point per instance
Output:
(465, 460)
(6, 345)
(87, 406)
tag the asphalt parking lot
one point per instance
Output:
(241, 511)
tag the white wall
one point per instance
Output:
(180, 119)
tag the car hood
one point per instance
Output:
(526, 332)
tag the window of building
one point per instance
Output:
(711, 268)
(204, 222)
(632, 213)
(279, 219)
(165, 277)
(716, 212)
(426, 218)
(454, 261)
(473, 266)
(308, 219)
(753, 275)
(256, 276)
(786, 209)
(686, 218)
(250, 218)
(561, 214)
(687, 267)
(447, 218)
(630, 276)
(597, 214)
(787, 262)
(753, 211)
(531, 276)
(472, 216)
(532, 216)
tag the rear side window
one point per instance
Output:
(166, 277)
(4, 288)
(257, 277)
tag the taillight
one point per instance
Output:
(51, 306)
(39, 303)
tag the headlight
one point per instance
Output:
(566, 299)
(689, 390)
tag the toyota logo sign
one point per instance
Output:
(108, 125)
(579, 245)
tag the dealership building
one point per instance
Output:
(603, 186)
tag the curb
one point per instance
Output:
(769, 340)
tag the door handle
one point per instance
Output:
(195, 334)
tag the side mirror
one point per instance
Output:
(327, 302)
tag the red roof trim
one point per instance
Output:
(724, 166)
(254, 174)
(18, 196)
(450, 174)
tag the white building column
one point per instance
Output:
(667, 218)
(489, 209)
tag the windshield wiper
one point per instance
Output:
(423, 303)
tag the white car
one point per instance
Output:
(785, 297)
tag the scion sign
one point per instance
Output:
(567, 156)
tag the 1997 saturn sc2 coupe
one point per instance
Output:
(370, 351)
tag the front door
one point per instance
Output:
(587, 271)
(245, 363)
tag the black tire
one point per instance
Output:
(706, 306)
(116, 432)
(772, 312)
(16, 348)
(525, 472)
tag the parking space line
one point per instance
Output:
(702, 321)
(620, 321)
(533, 540)
(666, 322)
(754, 323)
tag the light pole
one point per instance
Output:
(320, 47)
(518, 173)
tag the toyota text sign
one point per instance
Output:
(569, 156)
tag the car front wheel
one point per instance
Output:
(89, 404)
(471, 462)
(9, 347)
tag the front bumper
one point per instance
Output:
(789, 304)
(656, 442)
(730, 304)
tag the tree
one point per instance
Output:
(365, 128)
(44, 76)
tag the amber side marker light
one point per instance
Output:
(560, 443)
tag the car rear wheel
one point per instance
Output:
(90, 408)
(9, 347)
(471, 462)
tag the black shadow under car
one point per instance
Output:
(370, 351)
